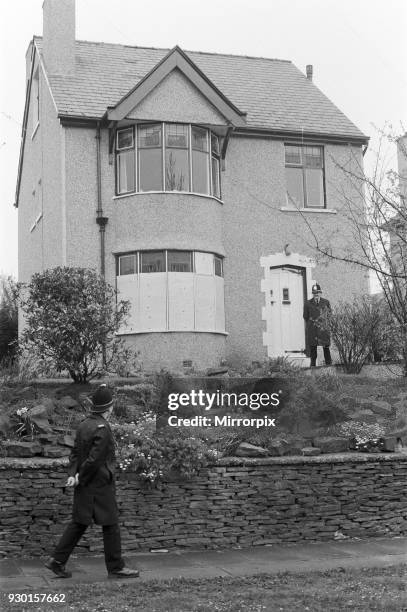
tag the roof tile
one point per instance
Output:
(275, 94)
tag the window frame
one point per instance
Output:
(119, 266)
(137, 278)
(210, 154)
(303, 167)
(138, 261)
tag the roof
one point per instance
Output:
(274, 94)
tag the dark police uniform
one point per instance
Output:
(93, 458)
(316, 335)
(91, 463)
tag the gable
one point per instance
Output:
(176, 59)
(175, 98)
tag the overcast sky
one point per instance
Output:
(358, 49)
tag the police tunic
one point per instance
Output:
(93, 458)
(315, 332)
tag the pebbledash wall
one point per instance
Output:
(239, 502)
(57, 212)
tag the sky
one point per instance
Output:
(357, 47)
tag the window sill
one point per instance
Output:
(325, 211)
(188, 193)
(35, 130)
(173, 331)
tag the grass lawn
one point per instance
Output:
(361, 590)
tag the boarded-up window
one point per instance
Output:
(205, 305)
(172, 291)
(153, 302)
(219, 304)
(180, 301)
(127, 288)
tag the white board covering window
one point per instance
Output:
(153, 302)
(180, 301)
(172, 291)
(205, 302)
(127, 287)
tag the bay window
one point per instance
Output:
(167, 157)
(304, 167)
(176, 158)
(172, 290)
(125, 161)
(215, 165)
(150, 159)
(200, 160)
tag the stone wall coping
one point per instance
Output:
(23, 463)
(299, 460)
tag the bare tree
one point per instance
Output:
(373, 206)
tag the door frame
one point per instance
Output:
(275, 261)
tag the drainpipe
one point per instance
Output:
(100, 219)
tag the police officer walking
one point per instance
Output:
(317, 335)
(91, 472)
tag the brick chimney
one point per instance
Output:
(59, 36)
(310, 71)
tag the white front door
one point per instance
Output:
(286, 299)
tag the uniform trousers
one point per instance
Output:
(111, 544)
(313, 355)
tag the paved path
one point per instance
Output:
(376, 552)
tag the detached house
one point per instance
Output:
(187, 179)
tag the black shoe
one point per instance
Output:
(126, 572)
(57, 568)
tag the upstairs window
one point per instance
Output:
(176, 158)
(126, 177)
(304, 168)
(167, 157)
(150, 159)
(215, 165)
(200, 161)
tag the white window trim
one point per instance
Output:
(132, 194)
(302, 167)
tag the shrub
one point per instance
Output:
(385, 338)
(8, 319)
(72, 319)
(354, 327)
(314, 403)
(155, 455)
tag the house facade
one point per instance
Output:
(192, 181)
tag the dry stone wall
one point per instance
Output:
(239, 502)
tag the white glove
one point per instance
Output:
(72, 481)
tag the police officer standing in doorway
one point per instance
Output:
(316, 335)
(91, 472)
